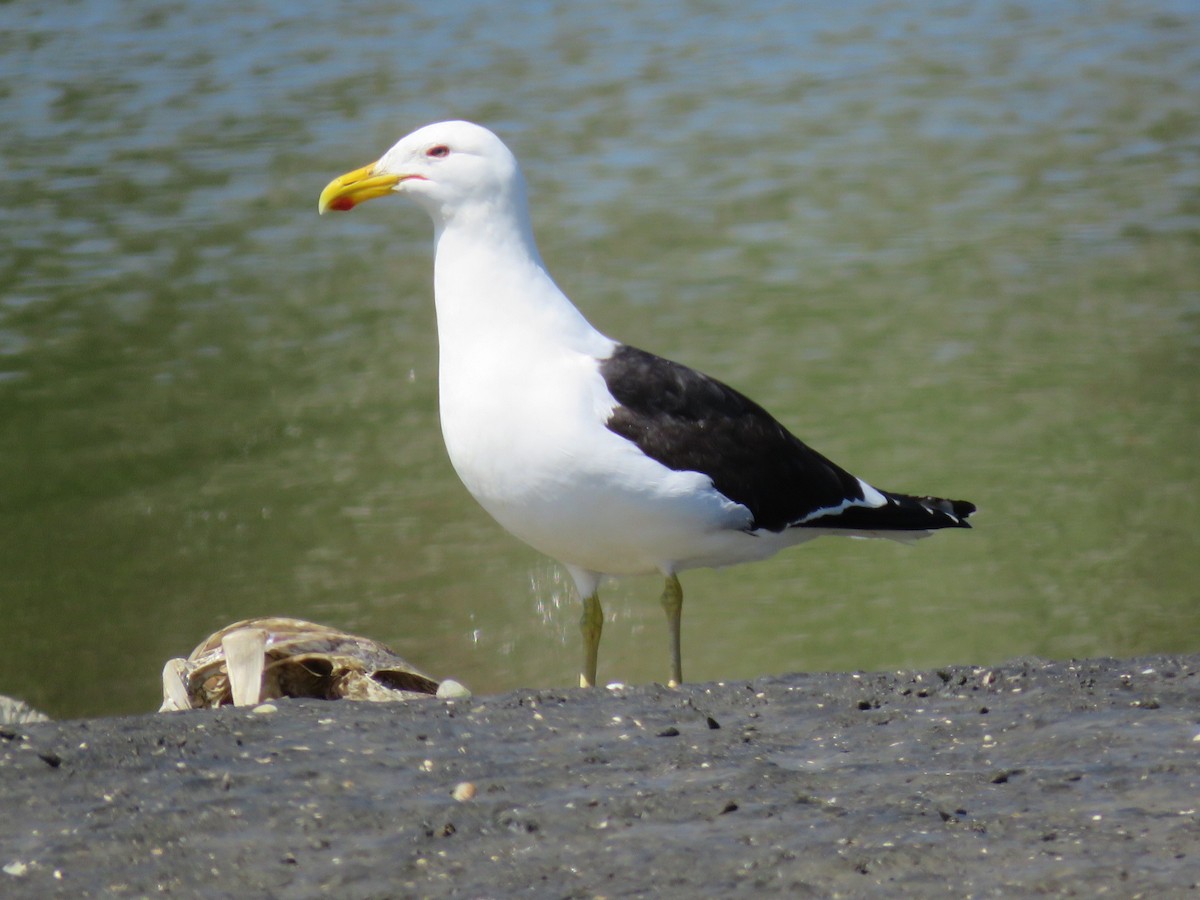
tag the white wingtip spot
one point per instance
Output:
(871, 496)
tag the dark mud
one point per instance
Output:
(1031, 778)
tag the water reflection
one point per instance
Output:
(953, 246)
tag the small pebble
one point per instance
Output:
(464, 790)
(452, 690)
(264, 709)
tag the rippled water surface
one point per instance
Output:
(955, 246)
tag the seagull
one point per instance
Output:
(608, 458)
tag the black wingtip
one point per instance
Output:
(902, 512)
(956, 509)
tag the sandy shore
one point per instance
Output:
(1035, 777)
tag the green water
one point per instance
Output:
(954, 246)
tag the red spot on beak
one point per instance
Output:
(341, 204)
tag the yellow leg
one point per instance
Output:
(672, 603)
(591, 623)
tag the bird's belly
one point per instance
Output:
(601, 523)
(549, 471)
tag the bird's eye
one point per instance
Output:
(438, 151)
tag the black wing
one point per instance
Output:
(690, 422)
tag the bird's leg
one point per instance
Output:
(672, 603)
(591, 623)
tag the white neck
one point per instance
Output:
(490, 286)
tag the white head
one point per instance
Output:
(450, 168)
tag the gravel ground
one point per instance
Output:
(1030, 778)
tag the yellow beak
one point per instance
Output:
(347, 191)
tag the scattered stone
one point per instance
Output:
(452, 690)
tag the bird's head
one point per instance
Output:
(444, 167)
